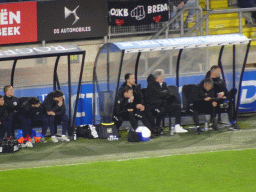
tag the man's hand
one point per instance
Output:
(207, 98)
(129, 110)
(131, 99)
(221, 95)
(50, 113)
(140, 107)
(214, 103)
(60, 103)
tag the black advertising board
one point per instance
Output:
(71, 19)
(142, 12)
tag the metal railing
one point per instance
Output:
(206, 19)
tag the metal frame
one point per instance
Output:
(55, 76)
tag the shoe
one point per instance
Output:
(54, 139)
(190, 20)
(29, 144)
(234, 127)
(23, 145)
(179, 129)
(198, 130)
(33, 140)
(64, 138)
(42, 140)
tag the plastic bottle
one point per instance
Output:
(172, 129)
(74, 136)
(206, 126)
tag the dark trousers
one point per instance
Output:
(133, 117)
(6, 126)
(58, 118)
(230, 110)
(204, 107)
(26, 124)
(155, 113)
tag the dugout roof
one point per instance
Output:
(49, 51)
(183, 59)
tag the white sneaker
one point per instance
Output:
(64, 138)
(179, 129)
(33, 140)
(29, 144)
(23, 145)
(54, 139)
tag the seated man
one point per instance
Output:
(32, 111)
(11, 103)
(160, 100)
(203, 102)
(221, 92)
(56, 110)
(5, 122)
(138, 97)
(127, 109)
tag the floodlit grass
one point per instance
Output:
(213, 171)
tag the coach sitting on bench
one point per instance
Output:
(221, 92)
(202, 97)
(56, 110)
(126, 109)
(160, 100)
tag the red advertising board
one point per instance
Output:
(18, 22)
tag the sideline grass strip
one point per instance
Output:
(214, 171)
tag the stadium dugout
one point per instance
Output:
(184, 60)
(56, 51)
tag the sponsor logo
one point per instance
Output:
(69, 12)
(140, 11)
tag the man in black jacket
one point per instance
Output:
(31, 112)
(203, 101)
(138, 97)
(126, 108)
(221, 92)
(11, 103)
(54, 105)
(160, 101)
(5, 122)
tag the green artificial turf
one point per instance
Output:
(212, 171)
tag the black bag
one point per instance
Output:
(133, 136)
(9, 146)
(106, 129)
(87, 131)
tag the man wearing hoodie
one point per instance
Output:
(55, 107)
(203, 102)
(32, 111)
(160, 101)
(221, 92)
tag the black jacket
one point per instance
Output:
(51, 105)
(122, 105)
(155, 93)
(11, 104)
(219, 84)
(199, 93)
(3, 113)
(138, 97)
(31, 112)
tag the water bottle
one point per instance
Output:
(206, 126)
(172, 130)
(74, 136)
